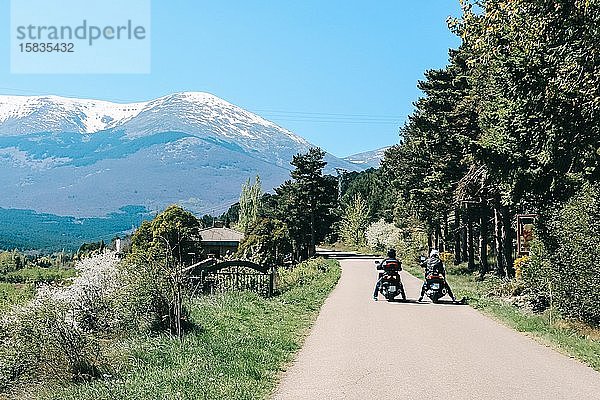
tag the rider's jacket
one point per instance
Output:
(391, 265)
(433, 265)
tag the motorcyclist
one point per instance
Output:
(434, 264)
(391, 263)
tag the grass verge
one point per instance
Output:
(571, 338)
(242, 344)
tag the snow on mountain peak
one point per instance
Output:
(196, 111)
(33, 114)
(369, 158)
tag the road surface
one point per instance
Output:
(362, 349)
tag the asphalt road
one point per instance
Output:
(361, 349)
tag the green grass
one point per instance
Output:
(38, 275)
(12, 294)
(242, 344)
(17, 287)
(571, 338)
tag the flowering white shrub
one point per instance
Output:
(89, 295)
(382, 235)
(97, 274)
(56, 333)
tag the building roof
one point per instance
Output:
(221, 235)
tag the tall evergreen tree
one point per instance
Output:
(371, 186)
(307, 202)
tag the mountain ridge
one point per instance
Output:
(88, 158)
(370, 159)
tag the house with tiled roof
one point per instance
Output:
(220, 241)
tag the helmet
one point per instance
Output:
(434, 253)
(391, 253)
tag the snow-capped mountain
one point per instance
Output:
(196, 114)
(83, 157)
(368, 159)
(33, 114)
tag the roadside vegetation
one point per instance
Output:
(240, 345)
(80, 341)
(132, 325)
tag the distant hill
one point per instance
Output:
(86, 158)
(28, 230)
(368, 159)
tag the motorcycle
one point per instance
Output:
(435, 285)
(391, 284)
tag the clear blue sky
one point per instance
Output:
(341, 73)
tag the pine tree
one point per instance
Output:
(307, 202)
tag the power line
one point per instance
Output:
(329, 118)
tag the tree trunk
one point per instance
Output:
(312, 247)
(500, 270)
(507, 241)
(470, 245)
(445, 240)
(429, 239)
(465, 252)
(483, 241)
(457, 247)
(437, 235)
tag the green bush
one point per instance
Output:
(43, 340)
(540, 277)
(146, 300)
(564, 269)
(301, 274)
(153, 291)
(267, 242)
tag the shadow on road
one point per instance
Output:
(462, 302)
(345, 255)
(407, 301)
